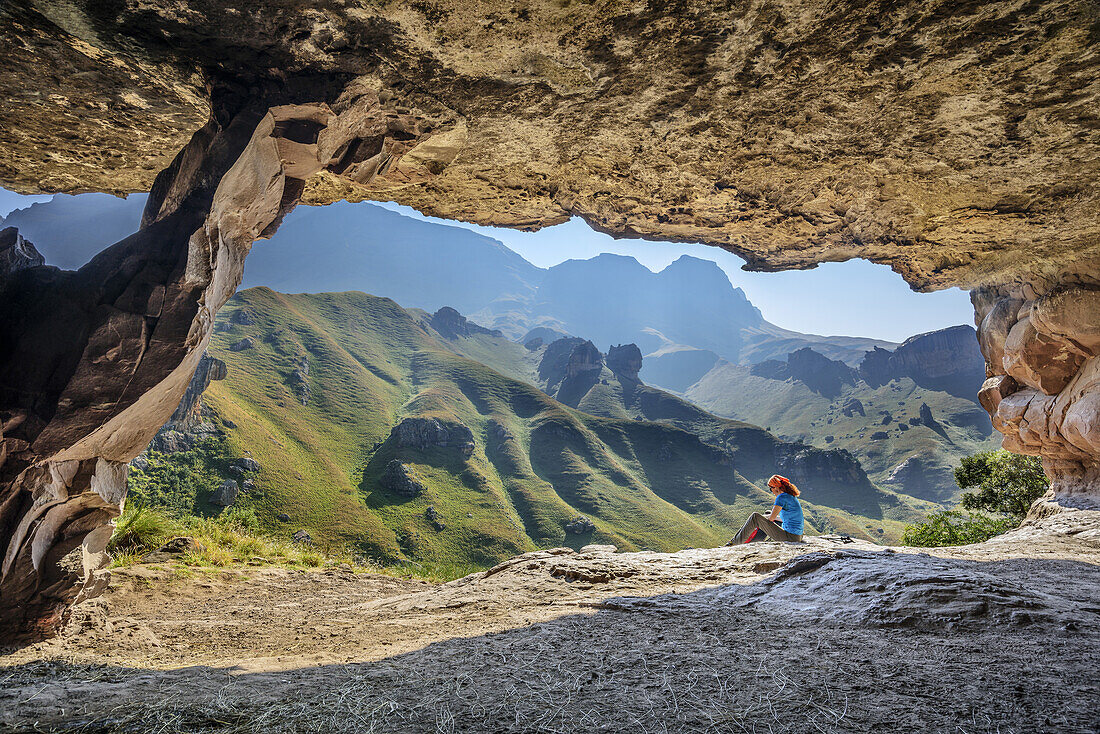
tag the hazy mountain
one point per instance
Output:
(69, 230)
(908, 414)
(690, 305)
(363, 247)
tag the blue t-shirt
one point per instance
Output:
(790, 513)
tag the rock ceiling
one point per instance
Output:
(957, 142)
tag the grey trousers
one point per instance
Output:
(757, 527)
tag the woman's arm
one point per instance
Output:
(775, 512)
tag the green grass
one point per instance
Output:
(536, 465)
(792, 410)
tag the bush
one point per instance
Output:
(141, 529)
(952, 527)
(1007, 484)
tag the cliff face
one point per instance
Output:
(947, 360)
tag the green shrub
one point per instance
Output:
(141, 528)
(952, 527)
(243, 520)
(1007, 484)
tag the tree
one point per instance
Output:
(1006, 484)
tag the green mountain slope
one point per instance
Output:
(316, 385)
(886, 432)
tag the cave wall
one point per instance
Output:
(956, 142)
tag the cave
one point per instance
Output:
(956, 143)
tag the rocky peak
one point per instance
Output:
(625, 360)
(451, 324)
(947, 359)
(821, 374)
(17, 253)
(584, 358)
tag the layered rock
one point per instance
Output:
(451, 324)
(1042, 351)
(948, 360)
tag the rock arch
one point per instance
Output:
(959, 144)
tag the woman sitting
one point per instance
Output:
(786, 507)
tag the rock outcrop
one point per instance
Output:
(423, 433)
(451, 324)
(947, 359)
(398, 479)
(225, 495)
(1042, 352)
(16, 253)
(819, 373)
(625, 360)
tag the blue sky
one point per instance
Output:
(856, 298)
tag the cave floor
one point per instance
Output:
(769, 637)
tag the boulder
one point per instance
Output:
(243, 316)
(926, 416)
(422, 433)
(247, 464)
(434, 518)
(172, 549)
(879, 436)
(243, 344)
(282, 517)
(226, 494)
(302, 537)
(398, 479)
(579, 525)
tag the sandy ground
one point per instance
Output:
(827, 636)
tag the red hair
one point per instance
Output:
(783, 484)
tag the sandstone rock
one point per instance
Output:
(225, 495)
(819, 373)
(243, 344)
(580, 525)
(880, 436)
(247, 464)
(397, 478)
(926, 416)
(994, 390)
(532, 345)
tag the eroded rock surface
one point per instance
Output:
(955, 142)
(638, 641)
(1042, 351)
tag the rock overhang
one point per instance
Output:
(958, 144)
